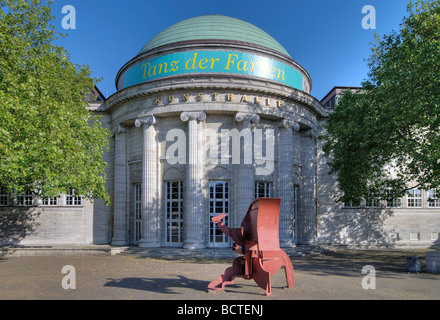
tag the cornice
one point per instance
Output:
(218, 82)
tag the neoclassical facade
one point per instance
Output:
(212, 113)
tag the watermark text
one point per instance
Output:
(369, 281)
(369, 20)
(69, 280)
(69, 20)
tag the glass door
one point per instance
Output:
(174, 213)
(218, 204)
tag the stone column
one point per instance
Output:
(119, 188)
(245, 172)
(193, 198)
(285, 181)
(150, 205)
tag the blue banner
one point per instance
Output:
(213, 62)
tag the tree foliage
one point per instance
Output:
(50, 143)
(386, 136)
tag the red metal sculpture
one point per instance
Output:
(258, 238)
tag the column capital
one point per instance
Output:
(148, 120)
(289, 124)
(247, 117)
(193, 115)
(119, 129)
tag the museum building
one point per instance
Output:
(211, 114)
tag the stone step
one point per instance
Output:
(176, 253)
(51, 250)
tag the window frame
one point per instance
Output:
(267, 187)
(417, 201)
(174, 200)
(26, 199)
(73, 200)
(433, 199)
(216, 238)
(50, 202)
(4, 197)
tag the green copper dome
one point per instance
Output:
(214, 27)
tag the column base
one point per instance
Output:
(308, 240)
(145, 243)
(119, 242)
(287, 243)
(194, 245)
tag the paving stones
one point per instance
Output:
(323, 274)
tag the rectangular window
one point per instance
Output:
(352, 204)
(263, 190)
(50, 201)
(394, 203)
(174, 212)
(392, 200)
(4, 196)
(414, 236)
(414, 198)
(26, 199)
(372, 202)
(433, 200)
(72, 199)
(218, 204)
(137, 212)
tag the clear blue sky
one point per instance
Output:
(326, 37)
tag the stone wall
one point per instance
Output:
(23, 226)
(370, 226)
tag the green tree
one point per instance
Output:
(387, 134)
(50, 143)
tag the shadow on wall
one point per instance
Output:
(436, 244)
(357, 226)
(363, 226)
(15, 224)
